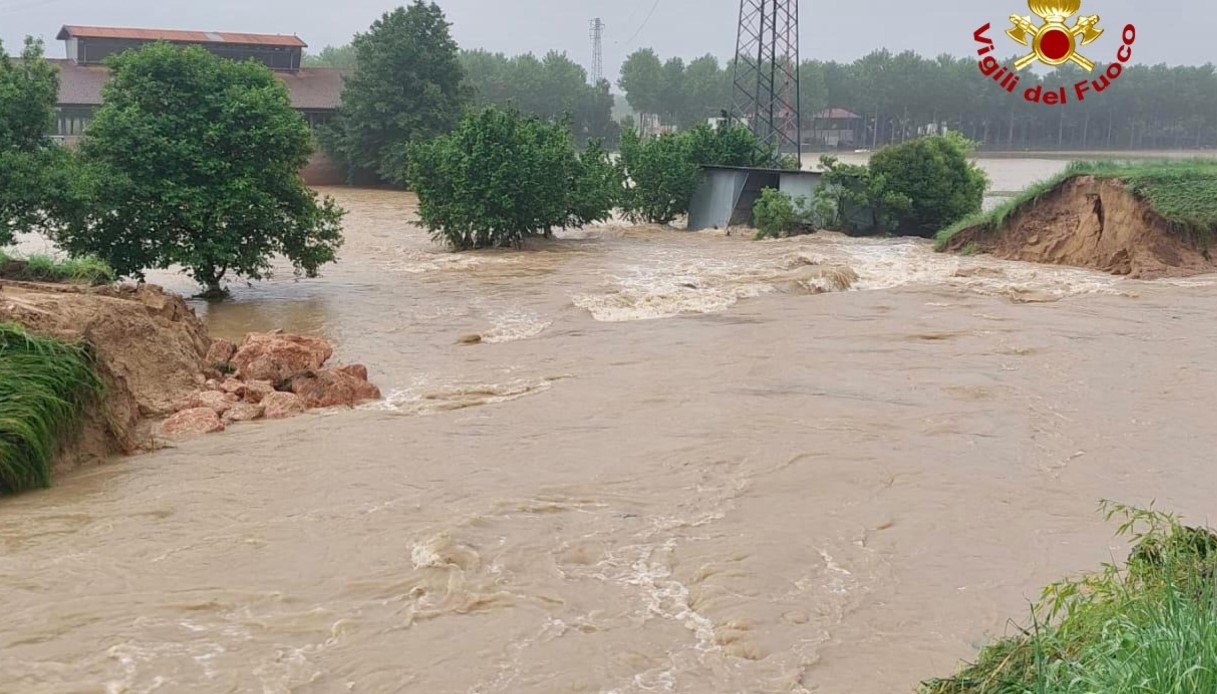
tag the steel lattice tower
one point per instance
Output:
(597, 50)
(767, 72)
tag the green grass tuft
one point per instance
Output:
(1149, 627)
(1182, 191)
(44, 268)
(45, 386)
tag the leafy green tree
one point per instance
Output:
(865, 203)
(664, 171)
(936, 176)
(707, 91)
(552, 88)
(194, 160)
(642, 80)
(408, 86)
(342, 57)
(502, 177)
(30, 164)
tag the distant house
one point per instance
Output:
(835, 128)
(315, 92)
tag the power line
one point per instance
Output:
(644, 23)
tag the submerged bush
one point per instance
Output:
(1149, 627)
(915, 188)
(502, 177)
(45, 386)
(664, 171)
(777, 214)
(934, 173)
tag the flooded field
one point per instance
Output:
(668, 462)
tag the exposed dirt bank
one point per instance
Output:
(165, 378)
(1093, 223)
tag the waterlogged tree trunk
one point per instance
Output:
(1110, 121)
(1060, 133)
(1010, 134)
(1085, 130)
(874, 142)
(211, 278)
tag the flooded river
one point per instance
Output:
(674, 462)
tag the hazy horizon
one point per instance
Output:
(684, 28)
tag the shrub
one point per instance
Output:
(502, 177)
(45, 386)
(42, 268)
(864, 202)
(194, 161)
(28, 159)
(777, 214)
(664, 171)
(935, 175)
(663, 177)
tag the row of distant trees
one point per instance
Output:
(1147, 107)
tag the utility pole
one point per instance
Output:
(767, 72)
(597, 50)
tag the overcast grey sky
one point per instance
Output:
(1170, 32)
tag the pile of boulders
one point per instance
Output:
(268, 376)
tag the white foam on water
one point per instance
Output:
(514, 325)
(423, 400)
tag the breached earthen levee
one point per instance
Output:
(1094, 223)
(164, 376)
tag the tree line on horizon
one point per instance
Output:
(895, 94)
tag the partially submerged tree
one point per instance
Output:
(916, 188)
(934, 173)
(664, 171)
(195, 161)
(502, 177)
(29, 160)
(407, 87)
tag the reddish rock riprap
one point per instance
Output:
(192, 422)
(280, 405)
(275, 376)
(278, 357)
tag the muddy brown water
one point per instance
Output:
(670, 466)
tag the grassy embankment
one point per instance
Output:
(43, 268)
(1182, 191)
(1149, 627)
(45, 386)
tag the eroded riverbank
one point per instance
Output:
(753, 489)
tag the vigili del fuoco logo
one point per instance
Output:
(1054, 40)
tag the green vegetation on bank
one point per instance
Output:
(44, 268)
(1182, 191)
(45, 386)
(1149, 627)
